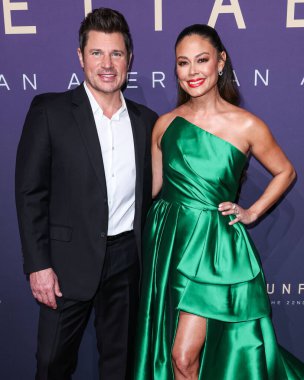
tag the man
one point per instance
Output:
(83, 187)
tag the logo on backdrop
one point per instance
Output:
(233, 9)
(158, 79)
(286, 294)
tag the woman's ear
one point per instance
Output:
(222, 61)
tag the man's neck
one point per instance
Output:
(108, 102)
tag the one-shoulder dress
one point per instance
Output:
(193, 261)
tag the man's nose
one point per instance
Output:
(107, 61)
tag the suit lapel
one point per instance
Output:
(139, 136)
(84, 118)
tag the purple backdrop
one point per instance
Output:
(38, 54)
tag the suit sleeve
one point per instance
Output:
(32, 188)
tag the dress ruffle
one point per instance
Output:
(213, 252)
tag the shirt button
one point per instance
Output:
(102, 234)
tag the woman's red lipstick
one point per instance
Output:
(193, 83)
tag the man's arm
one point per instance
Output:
(32, 181)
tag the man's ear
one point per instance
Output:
(130, 60)
(80, 57)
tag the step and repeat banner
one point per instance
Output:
(38, 43)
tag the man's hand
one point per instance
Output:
(45, 286)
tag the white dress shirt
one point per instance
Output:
(117, 148)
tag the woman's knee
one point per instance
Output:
(185, 361)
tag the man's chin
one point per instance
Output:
(107, 89)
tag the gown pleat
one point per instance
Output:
(193, 261)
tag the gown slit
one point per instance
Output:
(176, 330)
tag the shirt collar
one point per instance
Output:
(95, 106)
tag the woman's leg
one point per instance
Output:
(189, 340)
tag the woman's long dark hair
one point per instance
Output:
(226, 84)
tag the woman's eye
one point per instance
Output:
(182, 63)
(202, 60)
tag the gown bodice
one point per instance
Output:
(201, 170)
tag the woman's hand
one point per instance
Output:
(246, 216)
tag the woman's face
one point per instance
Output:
(197, 65)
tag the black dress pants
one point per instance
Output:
(115, 304)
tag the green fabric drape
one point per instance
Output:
(195, 262)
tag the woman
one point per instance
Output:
(204, 311)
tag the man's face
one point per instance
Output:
(105, 62)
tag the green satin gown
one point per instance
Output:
(195, 262)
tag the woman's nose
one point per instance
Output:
(192, 69)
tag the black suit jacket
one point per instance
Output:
(61, 194)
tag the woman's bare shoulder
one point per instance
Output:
(246, 120)
(163, 123)
(166, 119)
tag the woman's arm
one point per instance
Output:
(157, 169)
(265, 149)
(157, 163)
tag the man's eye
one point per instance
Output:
(117, 54)
(95, 53)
